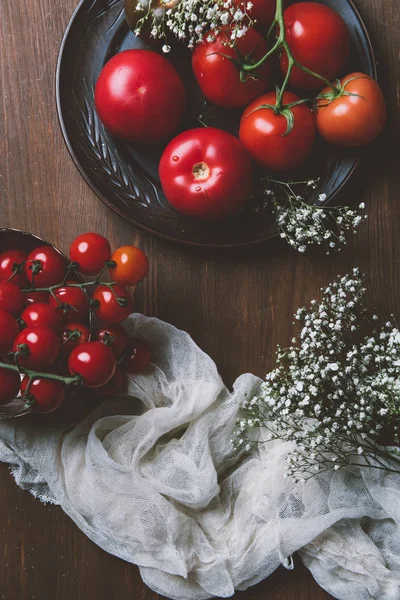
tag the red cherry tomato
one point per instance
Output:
(8, 331)
(11, 298)
(353, 120)
(114, 386)
(137, 357)
(140, 96)
(9, 385)
(38, 347)
(132, 265)
(220, 77)
(72, 336)
(45, 266)
(72, 303)
(94, 362)
(43, 395)
(13, 259)
(90, 251)
(114, 336)
(205, 173)
(262, 12)
(33, 297)
(318, 39)
(109, 309)
(42, 314)
(262, 132)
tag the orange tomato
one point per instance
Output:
(131, 265)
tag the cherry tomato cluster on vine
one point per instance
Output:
(57, 331)
(207, 173)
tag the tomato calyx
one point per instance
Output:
(282, 109)
(201, 171)
(337, 91)
(17, 268)
(245, 64)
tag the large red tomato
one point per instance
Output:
(318, 39)
(217, 68)
(262, 132)
(205, 173)
(140, 96)
(356, 116)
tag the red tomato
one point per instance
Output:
(94, 362)
(318, 39)
(262, 12)
(114, 336)
(352, 120)
(33, 297)
(9, 385)
(140, 96)
(206, 173)
(262, 132)
(42, 314)
(72, 302)
(72, 336)
(113, 306)
(11, 298)
(8, 331)
(38, 347)
(219, 77)
(114, 386)
(44, 395)
(137, 358)
(10, 260)
(132, 265)
(90, 251)
(45, 266)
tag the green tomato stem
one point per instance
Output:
(32, 374)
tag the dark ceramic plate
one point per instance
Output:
(125, 176)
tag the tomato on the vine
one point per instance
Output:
(10, 260)
(43, 395)
(132, 265)
(137, 357)
(73, 335)
(91, 251)
(356, 116)
(112, 305)
(94, 362)
(140, 96)
(206, 173)
(318, 39)
(42, 314)
(262, 132)
(8, 331)
(9, 385)
(114, 336)
(11, 298)
(261, 12)
(37, 347)
(32, 297)
(217, 68)
(45, 266)
(72, 303)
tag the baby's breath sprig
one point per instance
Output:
(334, 394)
(302, 224)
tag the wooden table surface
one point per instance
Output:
(236, 307)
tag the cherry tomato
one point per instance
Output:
(8, 331)
(33, 297)
(11, 298)
(352, 120)
(94, 362)
(262, 132)
(38, 347)
(206, 173)
(114, 386)
(72, 302)
(90, 251)
(43, 395)
(45, 266)
(218, 70)
(318, 39)
(114, 336)
(140, 96)
(132, 265)
(72, 336)
(9, 385)
(109, 309)
(42, 314)
(13, 259)
(262, 12)
(137, 357)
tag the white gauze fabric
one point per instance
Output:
(152, 478)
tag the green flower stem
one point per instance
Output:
(32, 374)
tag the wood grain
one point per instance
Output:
(236, 307)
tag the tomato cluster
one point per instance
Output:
(56, 331)
(140, 96)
